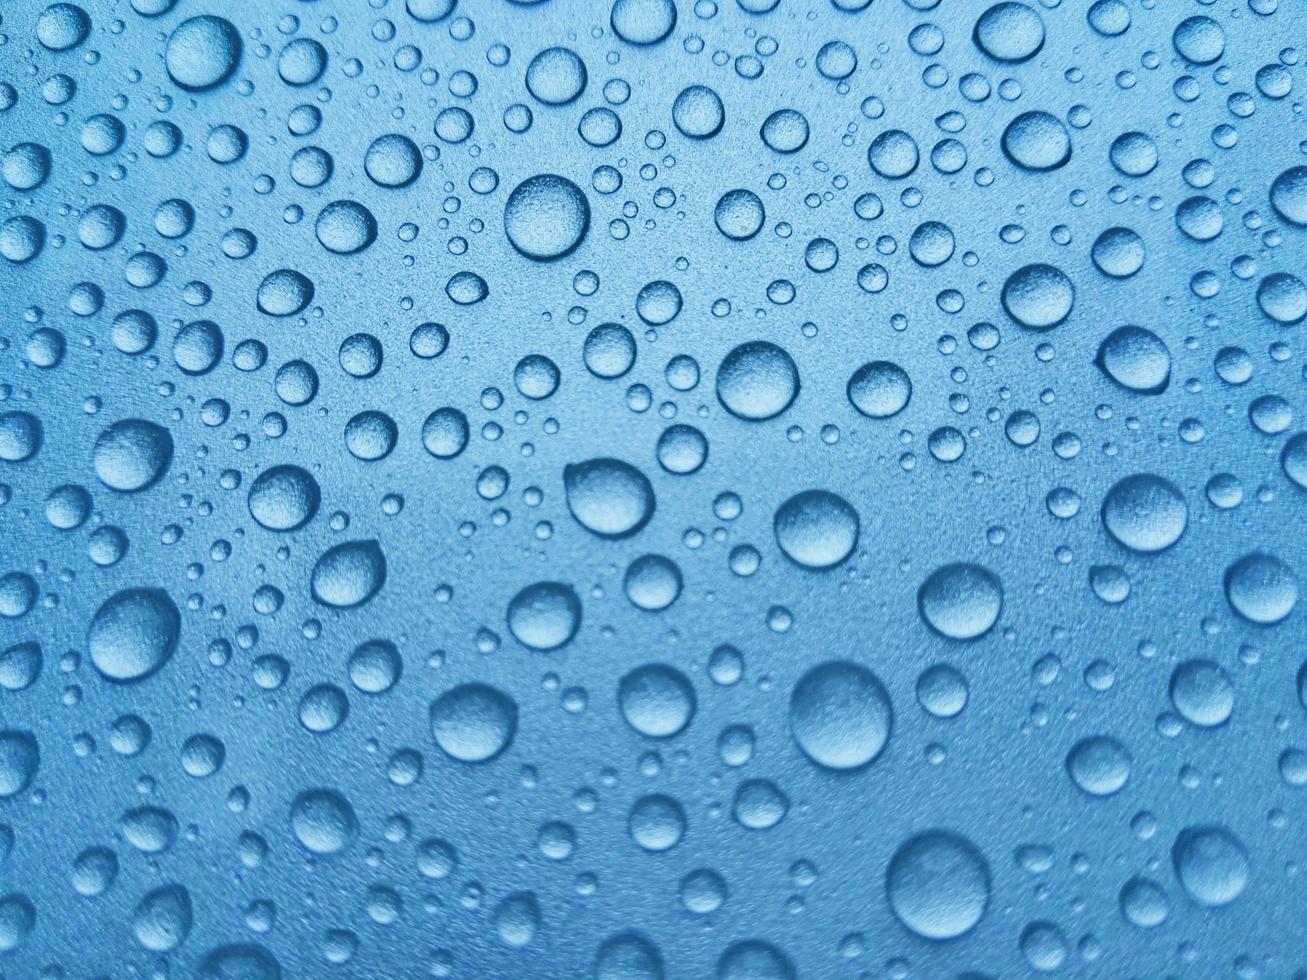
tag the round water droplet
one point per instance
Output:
(1136, 359)
(546, 217)
(893, 154)
(938, 885)
(132, 455)
(1202, 693)
(1144, 903)
(17, 920)
(643, 21)
(240, 961)
(393, 160)
(698, 112)
(323, 821)
(1261, 588)
(345, 227)
(348, 574)
(1044, 946)
(202, 52)
(1038, 296)
(163, 918)
(1288, 195)
(816, 529)
(880, 389)
(20, 665)
(21, 435)
(1145, 513)
(284, 498)
(133, 634)
(757, 380)
(1199, 40)
(1283, 298)
(608, 497)
(658, 302)
(840, 715)
(942, 691)
(609, 351)
(62, 26)
(1211, 863)
(754, 959)
(656, 822)
(629, 956)
(1293, 459)
(473, 722)
(556, 76)
(961, 601)
(652, 582)
(20, 757)
(517, 918)
(1099, 765)
(445, 432)
(739, 214)
(785, 131)
(284, 293)
(656, 700)
(1133, 154)
(1118, 252)
(545, 616)
(1009, 32)
(1037, 141)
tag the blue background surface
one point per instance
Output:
(1211, 808)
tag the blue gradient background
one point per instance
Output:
(814, 887)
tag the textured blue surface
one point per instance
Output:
(740, 489)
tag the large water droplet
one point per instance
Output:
(1038, 296)
(840, 715)
(323, 820)
(1145, 513)
(1211, 863)
(473, 722)
(132, 455)
(546, 217)
(349, 574)
(202, 52)
(938, 885)
(545, 616)
(816, 529)
(20, 757)
(284, 498)
(1261, 588)
(657, 700)
(608, 497)
(133, 634)
(961, 601)
(757, 380)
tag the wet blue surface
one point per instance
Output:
(741, 489)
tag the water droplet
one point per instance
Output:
(1211, 863)
(657, 700)
(323, 821)
(546, 217)
(348, 574)
(133, 634)
(1145, 513)
(608, 497)
(473, 722)
(757, 380)
(840, 715)
(202, 52)
(545, 616)
(816, 529)
(938, 885)
(961, 601)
